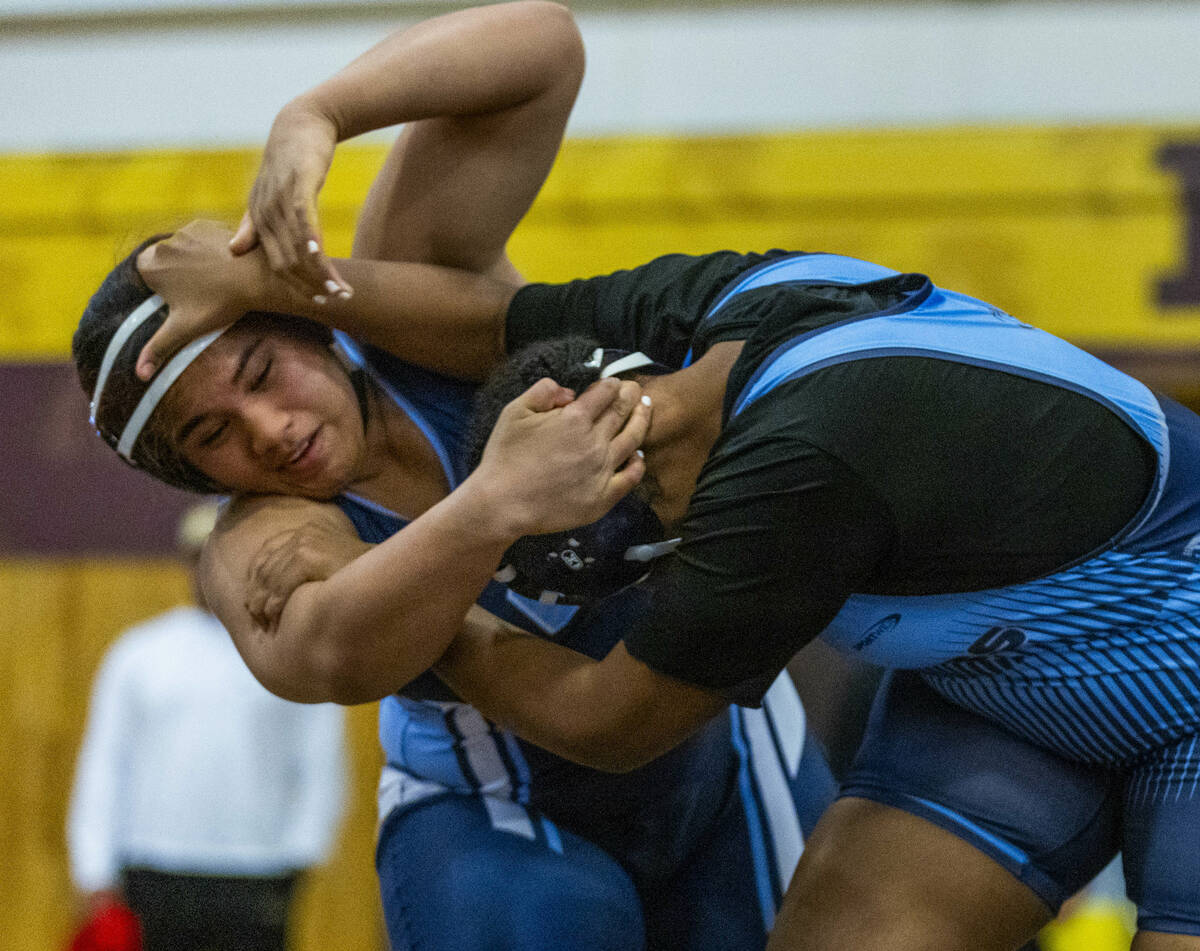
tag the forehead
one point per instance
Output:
(210, 373)
(209, 379)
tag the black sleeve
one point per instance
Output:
(653, 308)
(779, 533)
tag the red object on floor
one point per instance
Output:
(113, 928)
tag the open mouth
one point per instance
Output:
(303, 453)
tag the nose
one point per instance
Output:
(269, 431)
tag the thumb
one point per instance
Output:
(160, 346)
(544, 396)
(246, 236)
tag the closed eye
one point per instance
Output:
(259, 380)
(210, 439)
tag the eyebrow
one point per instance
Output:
(186, 429)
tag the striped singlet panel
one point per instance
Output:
(1100, 660)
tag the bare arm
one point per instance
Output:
(485, 93)
(384, 615)
(411, 309)
(614, 715)
(374, 623)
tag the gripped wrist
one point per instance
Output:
(492, 513)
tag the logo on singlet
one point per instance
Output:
(998, 639)
(876, 631)
(1192, 546)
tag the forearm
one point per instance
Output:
(374, 620)
(549, 695)
(408, 309)
(480, 60)
(612, 715)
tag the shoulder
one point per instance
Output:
(654, 307)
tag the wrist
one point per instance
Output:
(312, 113)
(494, 514)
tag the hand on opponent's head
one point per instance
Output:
(282, 214)
(204, 285)
(556, 461)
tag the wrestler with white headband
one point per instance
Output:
(350, 587)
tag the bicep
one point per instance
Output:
(455, 186)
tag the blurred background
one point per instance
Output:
(1042, 155)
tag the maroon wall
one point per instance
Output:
(62, 490)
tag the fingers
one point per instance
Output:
(613, 404)
(624, 444)
(543, 396)
(599, 398)
(625, 479)
(273, 577)
(165, 341)
(245, 238)
(290, 237)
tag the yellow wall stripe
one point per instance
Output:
(1070, 228)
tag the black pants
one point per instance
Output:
(210, 913)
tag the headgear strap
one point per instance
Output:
(158, 386)
(623, 364)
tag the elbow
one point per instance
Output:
(560, 40)
(335, 675)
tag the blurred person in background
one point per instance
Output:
(200, 798)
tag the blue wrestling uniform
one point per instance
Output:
(489, 842)
(1012, 519)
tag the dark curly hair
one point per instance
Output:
(562, 359)
(155, 451)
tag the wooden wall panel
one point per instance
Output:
(62, 617)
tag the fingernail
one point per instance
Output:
(313, 247)
(641, 455)
(319, 298)
(332, 286)
(645, 400)
(345, 294)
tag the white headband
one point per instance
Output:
(158, 387)
(131, 323)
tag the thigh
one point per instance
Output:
(876, 878)
(1051, 823)
(953, 833)
(1162, 840)
(729, 891)
(459, 873)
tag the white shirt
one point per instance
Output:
(189, 765)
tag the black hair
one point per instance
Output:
(118, 295)
(562, 359)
